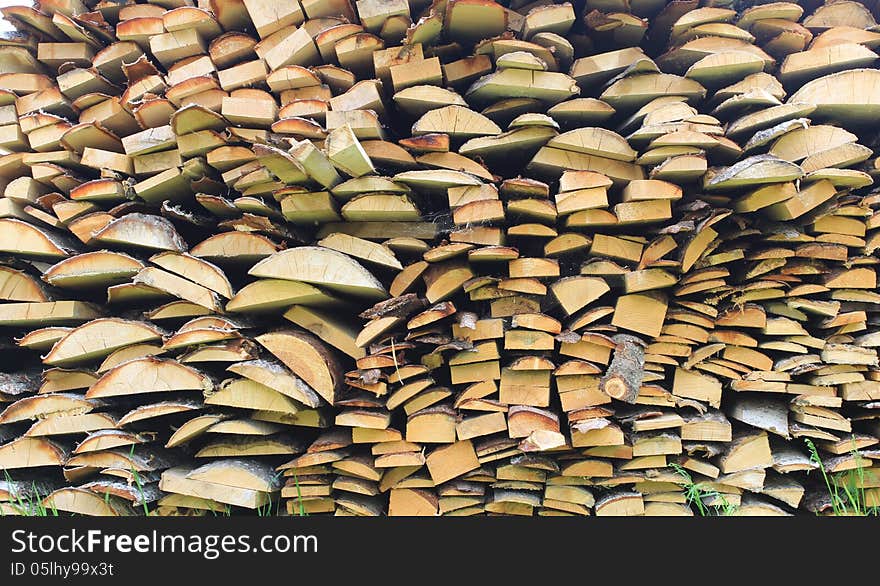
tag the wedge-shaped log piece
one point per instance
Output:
(316, 164)
(82, 501)
(30, 452)
(142, 352)
(98, 190)
(436, 180)
(127, 488)
(235, 247)
(631, 93)
(847, 97)
(801, 143)
(179, 287)
(845, 34)
(98, 338)
(469, 21)
(245, 427)
(848, 354)
(643, 313)
(459, 122)
(334, 330)
(23, 239)
(266, 295)
(47, 313)
(247, 394)
(806, 65)
(620, 504)
(308, 358)
(194, 118)
(17, 285)
(575, 293)
(751, 16)
(762, 124)
(136, 293)
(142, 231)
(762, 413)
(845, 155)
(238, 473)
(580, 111)
(420, 99)
(361, 249)
(149, 375)
(245, 447)
(552, 162)
(376, 207)
(595, 141)
(231, 349)
(150, 140)
(448, 462)
(281, 164)
(595, 70)
(64, 424)
(374, 184)
(309, 208)
(346, 153)
(846, 13)
(196, 270)
(546, 86)
(275, 376)
(202, 335)
(56, 380)
(25, 190)
(176, 310)
(269, 18)
(194, 428)
(808, 198)
(41, 406)
(175, 481)
(754, 170)
(748, 450)
(101, 268)
(294, 47)
(42, 338)
(323, 267)
(160, 409)
(90, 134)
(680, 58)
(108, 439)
(724, 68)
(524, 141)
(693, 385)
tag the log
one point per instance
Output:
(531, 257)
(623, 379)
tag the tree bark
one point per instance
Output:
(624, 376)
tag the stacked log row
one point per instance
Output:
(412, 258)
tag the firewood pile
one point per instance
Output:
(395, 257)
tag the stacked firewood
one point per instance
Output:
(464, 257)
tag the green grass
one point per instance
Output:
(226, 512)
(266, 510)
(697, 494)
(138, 483)
(846, 489)
(299, 499)
(31, 505)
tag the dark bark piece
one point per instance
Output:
(623, 379)
(402, 306)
